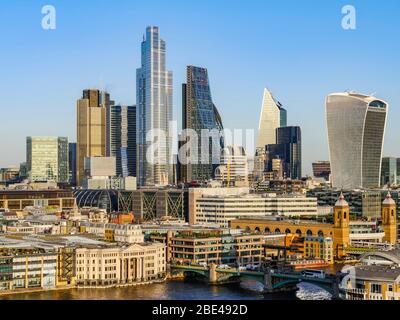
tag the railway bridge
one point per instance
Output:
(272, 280)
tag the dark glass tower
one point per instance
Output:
(288, 149)
(121, 138)
(72, 163)
(199, 112)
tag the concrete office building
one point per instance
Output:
(356, 126)
(91, 128)
(219, 206)
(321, 169)
(120, 265)
(233, 170)
(154, 92)
(47, 159)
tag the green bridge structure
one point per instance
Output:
(272, 280)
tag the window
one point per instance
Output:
(376, 288)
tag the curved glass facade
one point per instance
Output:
(199, 112)
(356, 125)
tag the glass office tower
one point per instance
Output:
(47, 159)
(72, 163)
(356, 126)
(389, 171)
(199, 112)
(121, 138)
(288, 149)
(272, 117)
(154, 102)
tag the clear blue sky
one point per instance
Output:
(296, 48)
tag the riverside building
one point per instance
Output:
(219, 206)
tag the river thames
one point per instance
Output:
(176, 290)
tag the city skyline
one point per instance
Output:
(54, 85)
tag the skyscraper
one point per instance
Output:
(91, 128)
(389, 171)
(121, 138)
(72, 163)
(272, 117)
(288, 149)
(154, 102)
(199, 113)
(356, 125)
(47, 159)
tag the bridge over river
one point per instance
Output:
(272, 280)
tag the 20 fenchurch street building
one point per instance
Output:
(356, 127)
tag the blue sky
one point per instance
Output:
(298, 49)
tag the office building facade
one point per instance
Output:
(356, 126)
(200, 113)
(91, 128)
(121, 138)
(233, 170)
(321, 169)
(154, 105)
(389, 171)
(288, 149)
(47, 159)
(72, 163)
(272, 117)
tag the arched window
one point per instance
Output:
(237, 227)
(320, 233)
(248, 229)
(267, 230)
(257, 230)
(298, 232)
(392, 213)
(287, 231)
(344, 215)
(309, 233)
(277, 230)
(339, 215)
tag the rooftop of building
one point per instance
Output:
(377, 273)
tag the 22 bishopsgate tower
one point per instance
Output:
(356, 127)
(154, 107)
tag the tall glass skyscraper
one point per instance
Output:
(199, 112)
(121, 138)
(356, 126)
(154, 102)
(272, 116)
(288, 149)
